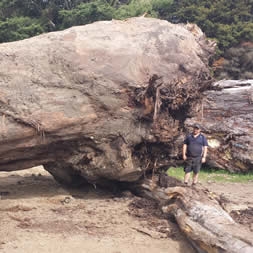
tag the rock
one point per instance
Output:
(127, 194)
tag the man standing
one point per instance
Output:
(194, 153)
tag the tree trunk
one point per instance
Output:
(110, 100)
(96, 101)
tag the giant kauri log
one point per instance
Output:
(88, 102)
(110, 100)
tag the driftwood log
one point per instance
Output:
(104, 101)
(199, 215)
(111, 100)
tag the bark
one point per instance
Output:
(226, 115)
(97, 102)
(199, 215)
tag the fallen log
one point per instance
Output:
(108, 102)
(199, 216)
(94, 102)
(226, 115)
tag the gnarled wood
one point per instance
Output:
(200, 217)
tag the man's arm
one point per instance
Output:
(184, 151)
(204, 154)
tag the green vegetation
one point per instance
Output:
(238, 63)
(213, 175)
(19, 28)
(229, 22)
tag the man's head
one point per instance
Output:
(196, 128)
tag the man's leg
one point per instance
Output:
(196, 169)
(195, 177)
(187, 170)
(187, 177)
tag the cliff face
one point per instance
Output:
(105, 101)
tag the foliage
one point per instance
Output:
(230, 22)
(19, 28)
(238, 63)
(86, 13)
(133, 9)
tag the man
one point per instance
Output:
(194, 153)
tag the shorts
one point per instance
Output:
(193, 164)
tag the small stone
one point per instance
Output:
(127, 194)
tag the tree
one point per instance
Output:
(85, 13)
(19, 28)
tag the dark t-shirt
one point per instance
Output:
(195, 145)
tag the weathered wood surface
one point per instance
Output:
(94, 101)
(226, 115)
(200, 217)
